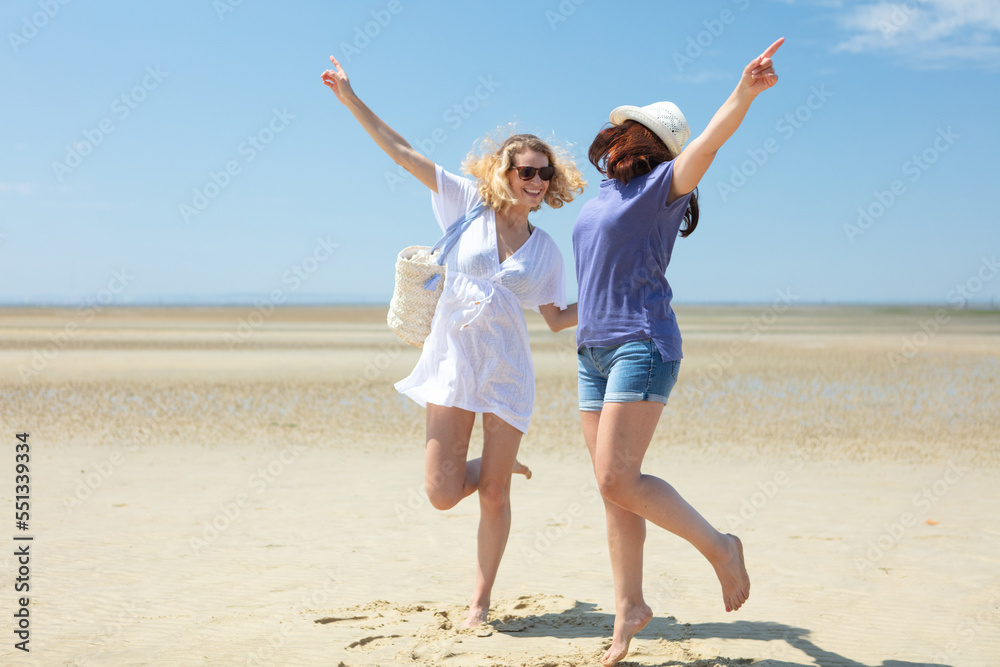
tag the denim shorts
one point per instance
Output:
(626, 373)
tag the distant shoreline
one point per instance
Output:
(379, 305)
(210, 322)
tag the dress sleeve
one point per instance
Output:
(550, 287)
(455, 197)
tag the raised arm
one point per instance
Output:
(694, 160)
(388, 139)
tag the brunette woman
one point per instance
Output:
(629, 344)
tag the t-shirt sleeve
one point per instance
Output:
(455, 197)
(663, 187)
(551, 284)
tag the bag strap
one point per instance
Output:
(453, 233)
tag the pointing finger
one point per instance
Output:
(774, 47)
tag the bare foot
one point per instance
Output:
(521, 469)
(732, 573)
(627, 624)
(477, 616)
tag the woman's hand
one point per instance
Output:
(336, 80)
(690, 166)
(759, 75)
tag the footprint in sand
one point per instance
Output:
(361, 643)
(441, 620)
(331, 619)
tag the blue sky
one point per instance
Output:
(187, 152)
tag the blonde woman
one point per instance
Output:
(476, 358)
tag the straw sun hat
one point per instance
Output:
(663, 118)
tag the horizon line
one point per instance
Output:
(971, 305)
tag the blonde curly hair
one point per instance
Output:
(490, 163)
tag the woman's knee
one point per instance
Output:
(444, 484)
(443, 497)
(494, 495)
(615, 485)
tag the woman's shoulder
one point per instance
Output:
(544, 243)
(661, 172)
(455, 197)
(541, 235)
(657, 174)
(456, 182)
(656, 183)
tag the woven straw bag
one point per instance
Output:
(420, 275)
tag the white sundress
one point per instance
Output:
(477, 356)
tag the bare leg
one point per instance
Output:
(623, 435)
(626, 536)
(447, 476)
(448, 433)
(501, 441)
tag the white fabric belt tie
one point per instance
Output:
(482, 303)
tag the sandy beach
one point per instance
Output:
(241, 486)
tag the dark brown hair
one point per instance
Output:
(631, 149)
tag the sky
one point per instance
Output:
(188, 153)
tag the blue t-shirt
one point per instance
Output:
(622, 242)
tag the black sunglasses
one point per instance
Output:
(527, 173)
